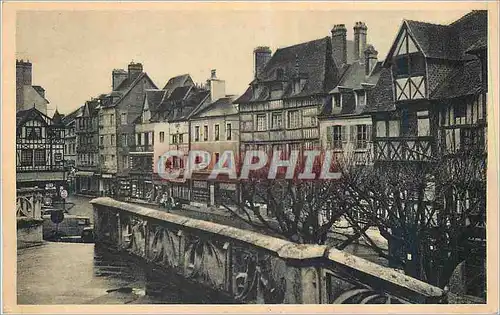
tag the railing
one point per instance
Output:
(29, 203)
(252, 267)
(403, 149)
(36, 168)
(142, 148)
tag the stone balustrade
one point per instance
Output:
(251, 267)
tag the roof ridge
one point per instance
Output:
(473, 12)
(428, 23)
(303, 43)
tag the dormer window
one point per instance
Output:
(337, 100)
(361, 98)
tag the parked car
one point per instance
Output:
(70, 226)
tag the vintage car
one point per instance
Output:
(71, 226)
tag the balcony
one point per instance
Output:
(86, 148)
(280, 135)
(142, 148)
(416, 149)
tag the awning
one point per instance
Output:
(82, 173)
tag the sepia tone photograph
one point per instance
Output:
(249, 154)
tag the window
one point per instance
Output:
(216, 132)
(337, 136)
(112, 157)
(279, 74)
(174, 139)
(205, 133)
(217, 157)
(423, 124)
(181, 138)
(33, 133)
(293, 119)
(139, 139)
(261, 123)
(361, 98)
(124, 119)
(124, 140)
(26, 158)
(460, 112)
(162, 136)
(229, 132)
(361, 137)
(125, 161)
(393, 128)
(277, 120)
(101, 140)
(112, 119)
(381, 129)
(197, 133)
(337, 100)
(40, 158)
(112, 139)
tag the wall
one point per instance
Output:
(106, 129)
(348, 148)
(131, 105)
(251, 267)
(31, 96)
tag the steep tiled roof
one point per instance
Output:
(450, 41)
(125, 87)
(32, 113)
(177, 81)
(223, 106)
(311, 61)
(185, 108)
(436, 41)
(463, 81)
(381, 97)
(57, 118)
(71, 116)
(154, 97)
(179, 93)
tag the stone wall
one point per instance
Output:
(252, 267)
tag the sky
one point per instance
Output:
(74, 52)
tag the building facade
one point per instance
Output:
(70, 146)
(429, 109)
(117, 112)
(279, 110)
(40, 152)
(87, 162)
(344, 128)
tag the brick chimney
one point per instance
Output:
(262, 55)
(360, 31)
(134, 70)
(371, 58)
(118, 76)
(339, 44)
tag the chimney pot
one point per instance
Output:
(360, 32)
(262, 55)
(213, 74)
(339, 44)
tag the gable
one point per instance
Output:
(403, 44)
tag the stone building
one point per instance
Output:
(117, 112)
(70, 147)
(27, 94)
(214, 129)
(344, 128)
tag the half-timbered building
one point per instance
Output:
(39, 151)
(429, 111)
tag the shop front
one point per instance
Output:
(87, 183)
(107, 185)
